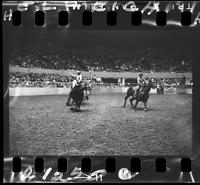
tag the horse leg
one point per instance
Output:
(79, 103)
(127, 96)
(145, 105)
(135, 105)
(69, 101)
(131, 101)
(75, 104)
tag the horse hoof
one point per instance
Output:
(134, 110)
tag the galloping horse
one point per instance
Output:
(142, 96)
(77, 95)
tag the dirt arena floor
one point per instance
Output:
(43, 125)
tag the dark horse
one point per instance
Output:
(142, 96)
(77, 95)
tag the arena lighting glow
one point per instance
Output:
(6, 93)
(173, 23)
(197, 20)
(181, 176)
(195, 156)
(184, 173)
(12, 176)
(13, 101)
(192, 177)
(149, 22)
(14, 98)
(9, 159)
(193, 6)
(168, 7)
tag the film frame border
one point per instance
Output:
(105, 169)
(195, 142)
(158, 10)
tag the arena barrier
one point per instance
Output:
(34, 91)
(167, 90)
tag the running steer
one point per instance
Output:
(142, 96)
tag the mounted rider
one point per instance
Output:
(78, 79)
(140, 82)
(77, 83)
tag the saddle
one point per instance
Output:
(140, 91)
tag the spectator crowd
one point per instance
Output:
(101, 60)
(93, 59)
(21, 79)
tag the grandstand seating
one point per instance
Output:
(94, 59)
(101, 61)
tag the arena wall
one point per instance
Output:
(36, 91)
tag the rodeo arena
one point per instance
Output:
(80, 103)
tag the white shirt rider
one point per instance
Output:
(78, 79)
(140, 80)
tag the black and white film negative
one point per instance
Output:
(101, 91)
